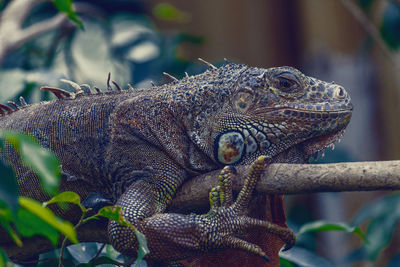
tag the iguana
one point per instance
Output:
(135, 148)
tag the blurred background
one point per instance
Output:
(352, 42)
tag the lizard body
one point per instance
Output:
(137, 147)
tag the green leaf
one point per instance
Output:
(66, 197)
(44, 213)
(6, 217)
(166, 11)
(42, 161)
(323, 226)
(303, 257)
(83, 252)
(143, 249)
(8, 187)
(66, 7)
(29, 224)
(111, 252)
(115, 213)
(3, 258)
(285, 263)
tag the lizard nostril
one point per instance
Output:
(340, 92)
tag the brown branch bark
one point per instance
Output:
(297, 179)
(276, 179)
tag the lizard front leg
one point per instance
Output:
(173, 236)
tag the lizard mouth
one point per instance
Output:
(312, 146)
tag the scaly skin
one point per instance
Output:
(136, 148)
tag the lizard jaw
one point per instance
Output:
(312, 146)
(301, 152)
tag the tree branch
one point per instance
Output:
(276, 179)
(297, 179)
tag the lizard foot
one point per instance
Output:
(228, 218)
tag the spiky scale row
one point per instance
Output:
(80, 89)
(22, 101)
(169, 76)
(117, 86)
(59, 93)
(77, 87)
(86, 88)
(83, 89)
(4, 109)
(109, 88)
(13, 104)
(207, 63)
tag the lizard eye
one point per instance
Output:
(287, 82)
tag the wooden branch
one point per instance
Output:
(297, 179)
(276, 179)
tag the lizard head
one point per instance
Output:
(279, 110)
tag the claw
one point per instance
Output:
(286, 247)
(285, 234)
(237, 243)
(289, 241)
(266, 258)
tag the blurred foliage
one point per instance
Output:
(43, 164)
(298, 256)
(127, 45)
(66, 7)
(382, 216)
(366, 4)
(24, 216)
(8, 189)
(390, 29)
(323, 226)
(168, 12)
